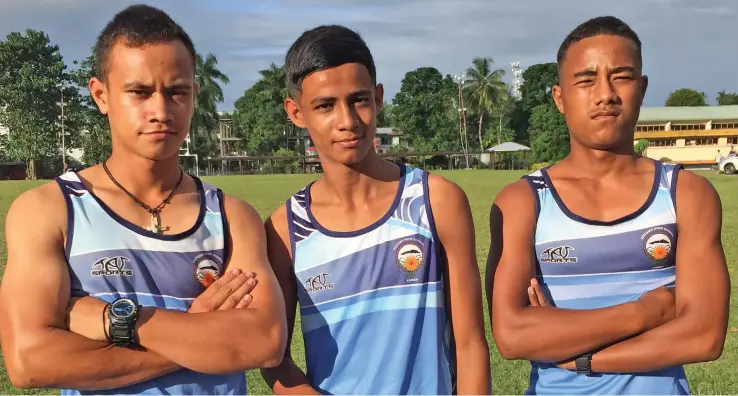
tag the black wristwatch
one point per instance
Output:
(122, 316)
(584, 364)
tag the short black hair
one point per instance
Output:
(603, 25)
(138, 25)
(322, 48)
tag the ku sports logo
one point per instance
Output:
(558, 254)
(657, 245)
(112, 266)
(318, 283)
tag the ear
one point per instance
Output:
(294, 112)
(556, 94)
(99, 93)
(644, 84)
(379, 97)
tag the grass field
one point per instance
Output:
(266, 193)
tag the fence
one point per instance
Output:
(221, 166)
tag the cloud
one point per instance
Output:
(685, 43)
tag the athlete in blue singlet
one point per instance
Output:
(380, 256)
(607, 237)
(133, 277)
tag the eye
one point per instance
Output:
(323, 106)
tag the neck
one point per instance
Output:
(357, 182)
(598, 164)
(143, 177)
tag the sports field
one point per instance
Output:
(266, 193)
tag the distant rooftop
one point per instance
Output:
(686, 113)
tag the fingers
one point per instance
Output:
(536, 297)
(241, 296)
(226, 290)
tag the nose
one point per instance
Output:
(604, 91)
(159, 109)
(348, 118)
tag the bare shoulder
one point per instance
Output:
(696, 192)
(240, 213)
(43, 206)
(445, 194)
(276, 223)
(514, 196)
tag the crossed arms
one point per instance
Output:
(41, 352)
(632, 337)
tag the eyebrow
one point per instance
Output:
(141, 85)
(352, 95)
(593, 72)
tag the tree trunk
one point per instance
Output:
(31, 170)
(481, 119)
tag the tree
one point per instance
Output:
(426, 111)
(538, 80)
(32, 80)
(205, 113)
(484, 88)
(641, 146)
(549, 133)
(384, 118)
(260, 120)
(95, 140)
(686, 97)
(727, 99)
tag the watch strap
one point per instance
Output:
(584, 364)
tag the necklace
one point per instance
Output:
(156, 227)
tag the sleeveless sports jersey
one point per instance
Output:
(588, 264)
(372, 301)
(110, 257)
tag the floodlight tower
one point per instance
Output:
(517, 80)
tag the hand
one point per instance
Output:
(230, 291)
(657, 306)
(85, 317)
(536, 296)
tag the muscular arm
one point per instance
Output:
(286, 378)
(455, 228)
(38, 350)
(251, 337)
(701, 296)
(541, 333)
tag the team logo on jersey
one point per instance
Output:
(318, 283)
(409, 256)
(558, 254)
(112, 266)
(658, 244)
(208, 268)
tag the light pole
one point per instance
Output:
(64, 151)
(517, 80)
(462, 120)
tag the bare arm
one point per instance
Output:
(544, 333)
(455, 228)
(38, 350)
(702, 294)
(286, 378)
(256, 335)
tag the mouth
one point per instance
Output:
(349, 142)
(161, 134)
(605, 114)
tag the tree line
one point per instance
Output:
(435, 112)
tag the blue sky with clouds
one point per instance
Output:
(686, 43)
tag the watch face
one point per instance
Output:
(123, 308)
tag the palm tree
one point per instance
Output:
(205, 115)
(484, 88)
(274, 79)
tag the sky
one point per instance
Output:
(686, 43)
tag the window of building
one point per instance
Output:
(650, 128)
(725, 125)
(688, 127)
(733, 140)
(700, 141)
(662, 143)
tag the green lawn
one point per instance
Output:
(266, 193)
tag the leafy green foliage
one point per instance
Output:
(95, 140)
(204, 123)
(260, 120)
(549, 134)
(426, 110)
(485, 89)
(32, 77)
(686, 97)
(727, 99)
(641, 146)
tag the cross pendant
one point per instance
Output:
(155, 227)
